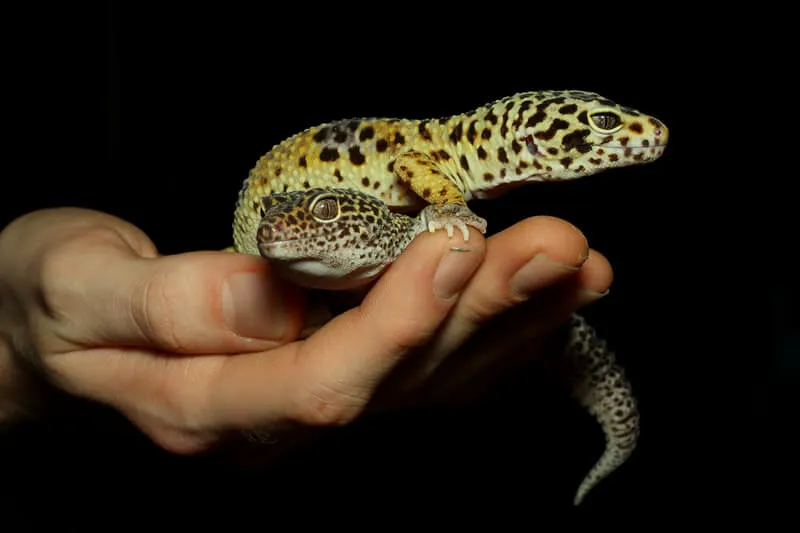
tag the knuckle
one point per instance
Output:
(324, 406)
(158, 305)
(182, 442)
(67, 259)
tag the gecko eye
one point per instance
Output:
(325, 208)
(606, 121)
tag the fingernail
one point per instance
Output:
(592, 296)
(454, 270)
(253, 307)
(538, 273)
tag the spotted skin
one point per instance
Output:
(332, 238)
(382, 168)
(528, 137)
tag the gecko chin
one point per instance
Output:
(314, 273)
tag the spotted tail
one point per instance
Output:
(600, 385)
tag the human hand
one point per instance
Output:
(196, 346)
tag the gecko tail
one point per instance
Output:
(600, 386)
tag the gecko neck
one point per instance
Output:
(486, 158)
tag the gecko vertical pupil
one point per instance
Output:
(606, 120)
(326, 209)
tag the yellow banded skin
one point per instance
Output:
(528, 137)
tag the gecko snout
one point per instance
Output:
(265, 233)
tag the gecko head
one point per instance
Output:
(324, 238)
(570, 134)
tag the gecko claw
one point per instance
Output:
(452, 216)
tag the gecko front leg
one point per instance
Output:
(447, 207)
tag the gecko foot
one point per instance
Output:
(452, 216)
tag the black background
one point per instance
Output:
(191, 97)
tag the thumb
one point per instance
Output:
(200, 302)
(100, 283)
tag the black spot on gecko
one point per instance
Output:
(486, 133)
(488, 177)
(423, 132)
(365, 181)
(471, 132)
(501, 155)
(567, 161)
(546, 103)
(636, 127)
(356, 157)
(366, 134)
(399, 138)
(556, 125)
(576, 139)
(329, 154)
(491, 117)
(464, 163)
(568, 109)
(536, 118)
(321, 135)
(340, 136)
(302, 161)
(481, 152)
(338, 175)
(381, 145)
(455, 135)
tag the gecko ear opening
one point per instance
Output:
(530, 145)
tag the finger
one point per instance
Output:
(521, 261)
(328, 378)
(202, 302)
(511, 340)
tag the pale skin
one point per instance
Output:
(167, 342)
